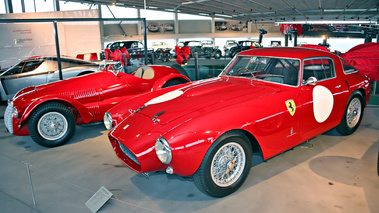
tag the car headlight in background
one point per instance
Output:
(108, 121)
(163, 150)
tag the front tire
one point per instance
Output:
(51, 125)
(225, 166)
(352, 116)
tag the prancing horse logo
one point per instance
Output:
(291, 106)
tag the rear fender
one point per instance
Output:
(82, 110)
(160, 82)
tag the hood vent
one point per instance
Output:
(82, 94)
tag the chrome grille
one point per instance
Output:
(128, 153)
(8, 117)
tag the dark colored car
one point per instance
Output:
(203, 48)
(242, 46)
(136, 49)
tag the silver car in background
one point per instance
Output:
(41, 70)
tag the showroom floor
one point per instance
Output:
(330, 173)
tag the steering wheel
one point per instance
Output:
(243, 68)
(116, 68)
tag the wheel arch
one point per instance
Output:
(363, 94)
(162, 81)
(70, 103)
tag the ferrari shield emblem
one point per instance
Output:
(291, 106)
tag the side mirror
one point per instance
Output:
(311, 81)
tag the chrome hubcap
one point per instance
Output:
(52, 126)
(228, 164)
(353, 113)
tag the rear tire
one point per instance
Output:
(225, 166)
(353, 114)
(51, 124)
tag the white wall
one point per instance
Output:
(19, 41)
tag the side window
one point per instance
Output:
(31, 65)
(15, 69)
(347, 68)
(321, 68)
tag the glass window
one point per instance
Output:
(347, 68)
(44, 5)
(66, 5)
(276, 70)
(321, 68)
(2, 7)
(157, 15)
(118, 12)
(16, 6)
(31, 65)
(183, 16)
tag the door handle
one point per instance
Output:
(338, 86)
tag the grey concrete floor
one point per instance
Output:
(330, 173)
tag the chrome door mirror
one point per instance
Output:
(311, 81)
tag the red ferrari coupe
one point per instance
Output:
(265, 102)
(48, 113)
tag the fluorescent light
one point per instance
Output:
(222, 15)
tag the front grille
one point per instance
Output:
(8, 117)
(128, 153)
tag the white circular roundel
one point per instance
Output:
(322, 103)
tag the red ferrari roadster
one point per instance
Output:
(49, 112)
(265, 102)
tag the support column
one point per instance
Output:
(8, 6)
(56, 5)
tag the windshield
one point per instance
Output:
(271, 69)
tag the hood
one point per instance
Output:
(85, 88)
(201, 97)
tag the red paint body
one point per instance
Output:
(209, 108)
(89, 96)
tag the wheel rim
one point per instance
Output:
(228, 164)
(353, 112)
(52, 126)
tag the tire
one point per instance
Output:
(217, 55)
(231, 155)
(352, 116)
(51, 124)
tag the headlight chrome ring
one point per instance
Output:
(15, 112)
(163, 150)
(108, 121)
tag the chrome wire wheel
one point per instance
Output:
(52, 126)
(353, 113)
(228, 164)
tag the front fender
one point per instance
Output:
(82, 110)
(161, 82)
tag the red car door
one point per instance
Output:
(320, 102)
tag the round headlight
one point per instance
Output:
(108, 121)
(15, 112)
(163, 150)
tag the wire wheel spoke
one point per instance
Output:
(228, 164)
(353, 113)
